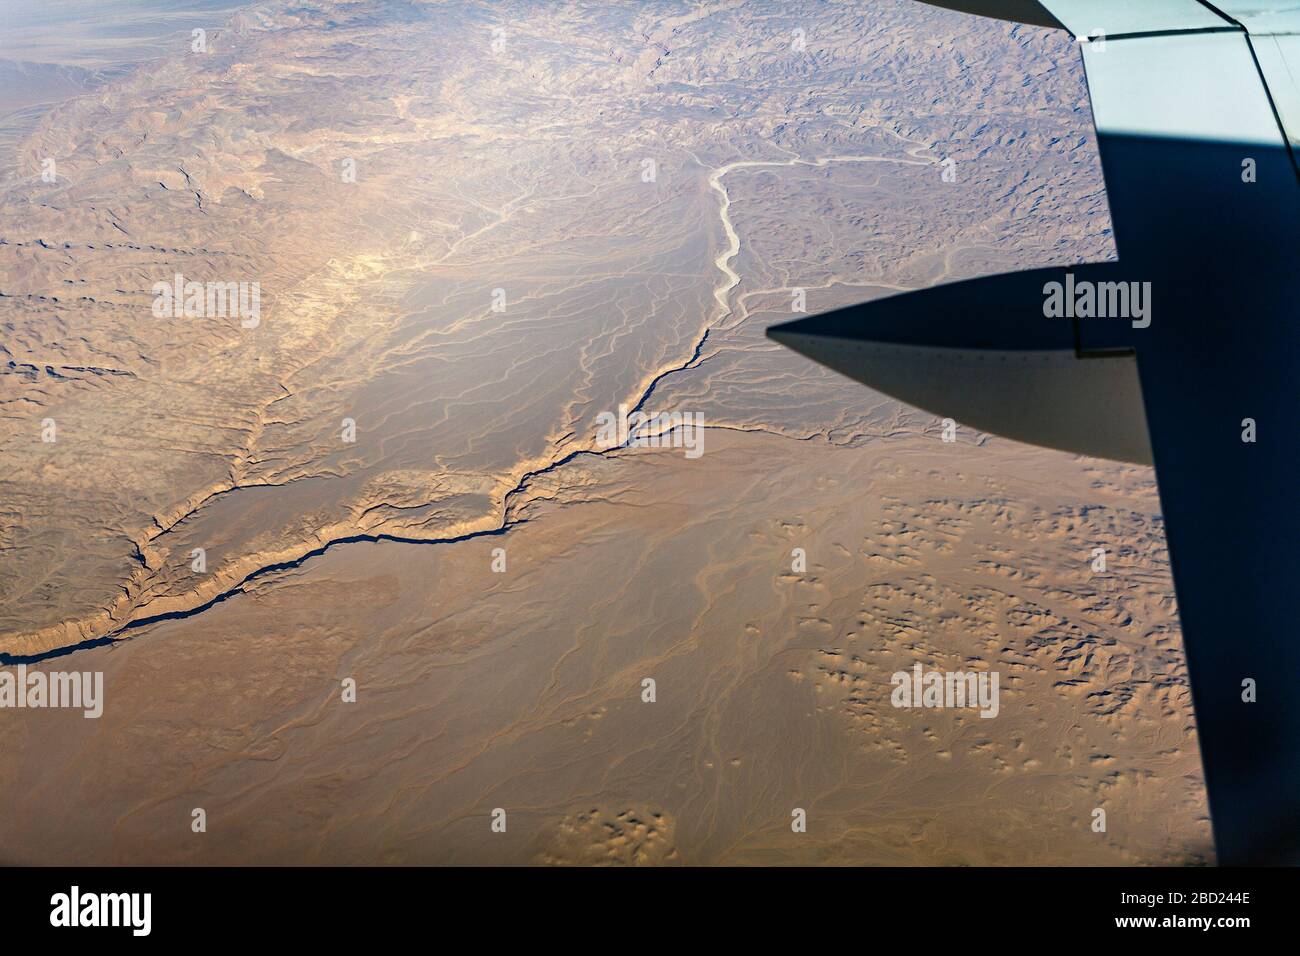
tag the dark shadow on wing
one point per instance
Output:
(1222, 347)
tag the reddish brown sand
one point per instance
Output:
(522, 169)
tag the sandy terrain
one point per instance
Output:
(502, 270)
(523, 690)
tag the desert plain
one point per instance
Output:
(363, 581)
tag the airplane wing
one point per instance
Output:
(1184, 353)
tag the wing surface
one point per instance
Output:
(1197, 110)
